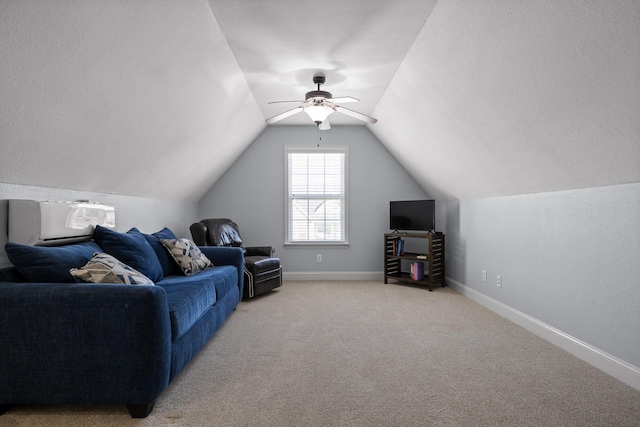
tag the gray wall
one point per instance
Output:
(569, 259)
(148, 215)
(252, 194)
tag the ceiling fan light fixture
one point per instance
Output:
(319, 104)
(317, 95)
(318, 112)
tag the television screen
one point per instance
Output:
(412, 215)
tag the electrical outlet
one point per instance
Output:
(484, 275)
(499, 281)
(319, 258)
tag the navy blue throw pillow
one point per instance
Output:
(49, 264)
(130, 248)
(169, 265)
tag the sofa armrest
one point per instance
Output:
(83, 343)
(260, 250)
(226, 255)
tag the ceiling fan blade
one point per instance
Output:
(343, 99)
(284, 115)
(355, 114)
(281, 102)
(324, 125)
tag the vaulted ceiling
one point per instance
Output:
(474, 98)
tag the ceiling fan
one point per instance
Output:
(318, 104)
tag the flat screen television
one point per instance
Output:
(412, 215)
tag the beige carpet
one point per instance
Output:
(369, 354)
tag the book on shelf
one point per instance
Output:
(417, 271)
(421, 256)
(397, 247)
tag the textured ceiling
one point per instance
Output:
(475, 98)
(140, 98)
(357, 44)
(500, 97)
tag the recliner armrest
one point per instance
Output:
(260, 250)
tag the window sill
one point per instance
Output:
(323, 244)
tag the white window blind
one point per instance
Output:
(316, 194)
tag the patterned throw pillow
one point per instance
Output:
(188, 256)
(103, 268)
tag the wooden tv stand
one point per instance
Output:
(431, 254)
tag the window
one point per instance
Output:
(316, 195)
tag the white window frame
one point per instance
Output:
(288, 197)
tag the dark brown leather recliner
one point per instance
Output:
(262, 271)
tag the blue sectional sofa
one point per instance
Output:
(64, 342)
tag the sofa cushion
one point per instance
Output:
(49, 264)
(103, 268)
(188, 298)
(226, 277)
(131, 249)
(169, 265)
(188, 256)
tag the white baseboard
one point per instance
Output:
(332, 275)
(613, 366)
